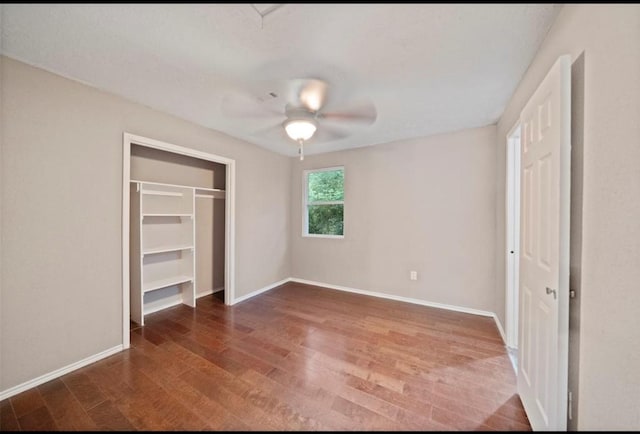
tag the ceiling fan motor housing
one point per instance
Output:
(301, 113)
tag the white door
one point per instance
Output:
(544, 242)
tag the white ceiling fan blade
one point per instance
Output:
(326, 133)
(274, 131)
(364, 113)
(241, 105)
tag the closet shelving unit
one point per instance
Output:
(163, 243)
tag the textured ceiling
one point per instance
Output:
(427, 68)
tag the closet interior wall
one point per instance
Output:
(210, 227)
(153, 165)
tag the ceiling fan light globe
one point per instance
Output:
(300, 129)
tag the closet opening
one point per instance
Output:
(177, 220)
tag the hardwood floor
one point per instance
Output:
(297, 357)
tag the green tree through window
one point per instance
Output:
(325, 202)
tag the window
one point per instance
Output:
(324, 203)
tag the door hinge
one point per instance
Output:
(570, 405)
(572, 293)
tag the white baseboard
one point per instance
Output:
(204, 293)
(372, 294)
(500, 329)
(163, 303)
(209, 292)
(12, 391)
(396, 298)
(259, 291)
(173, 300)
(106, 353)
(346, 289)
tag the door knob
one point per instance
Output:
(552, 291)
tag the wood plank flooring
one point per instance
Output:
(297, 357)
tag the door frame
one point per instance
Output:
(512, 234)
(229, 237)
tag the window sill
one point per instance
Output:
(323, 236)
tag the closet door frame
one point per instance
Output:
(229, 236)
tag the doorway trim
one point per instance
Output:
(512, 234)
(229, 236)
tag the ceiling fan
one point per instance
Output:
(303, 111)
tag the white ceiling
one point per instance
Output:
(428, 68)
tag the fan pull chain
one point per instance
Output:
(301, 149)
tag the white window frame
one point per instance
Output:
(305, 203)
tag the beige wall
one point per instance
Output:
(61, 296)
(210, 228)
(150, 164)
(609, 293)
(426, 204)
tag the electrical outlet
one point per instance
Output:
(413, 275)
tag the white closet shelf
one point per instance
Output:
(162, 193)
(163, 283)
(198, 189)
(166, 249)
(210, 194)
(165, 215)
